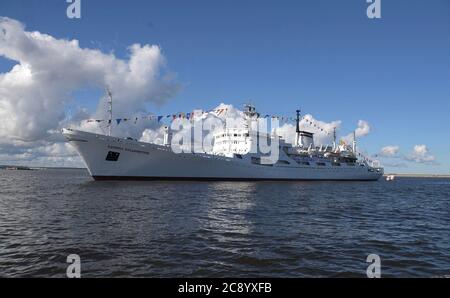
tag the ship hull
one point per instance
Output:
(111, 158)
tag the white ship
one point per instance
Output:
(112, 158)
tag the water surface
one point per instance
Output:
(221, 229)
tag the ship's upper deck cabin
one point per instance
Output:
(232, 141)
(238, 141)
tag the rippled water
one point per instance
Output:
(221, 229)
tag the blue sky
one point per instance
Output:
(324, 56)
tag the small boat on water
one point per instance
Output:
(390, 178)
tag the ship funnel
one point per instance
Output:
(306, 139)
(302, 138)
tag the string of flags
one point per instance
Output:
(315, 125)
(369, 160)
(154, 117)
(190, 116)
(217, 112)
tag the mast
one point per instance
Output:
(250, 114)
(354, 142)
(110, 109)
(297, 130)
(334, 138)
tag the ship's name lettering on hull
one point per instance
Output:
(128, 150)
(115, 147)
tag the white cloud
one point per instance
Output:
(392, 157)
(362, 130)
(155, 136)
(223, 113)
(325, 137)
(389, 151)
(420, 154)
(235, 118)
(34, 94)
(40, 153)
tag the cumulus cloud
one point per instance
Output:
(394, 158)
(389, 151)
(40, 154)
(421, 154)
(35, 93)
(321, 137)
(234, 117)
(155, 136)
(362, 130)
(206, 122)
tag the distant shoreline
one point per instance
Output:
(419, 175)
(26, 168)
